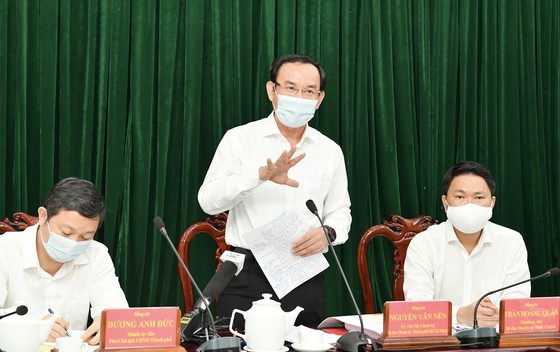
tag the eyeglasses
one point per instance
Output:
(307, 93)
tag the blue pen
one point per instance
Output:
(51, 311)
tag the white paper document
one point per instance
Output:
(272, 244)
(373, 323)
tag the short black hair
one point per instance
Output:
(78, 195)
(465, 168)
(277, 63)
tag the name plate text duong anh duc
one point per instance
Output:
(152, 327)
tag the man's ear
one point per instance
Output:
(321, 97)
(42, 211)
(270, 90)
(444, 202)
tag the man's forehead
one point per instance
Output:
(297, 72)
(469, 183)
(74, 220)
(464, 191)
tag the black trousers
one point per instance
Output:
(251, 283)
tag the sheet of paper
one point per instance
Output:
(373, 323)
(271, 245)
(47, 346)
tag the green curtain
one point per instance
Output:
(135, 95)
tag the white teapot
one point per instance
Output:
(266, 324)
(24, 333)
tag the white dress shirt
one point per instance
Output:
(438, 267)
(232, 182)
(87, 280)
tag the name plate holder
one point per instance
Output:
(416, 324)
(152, 329)
(529, 322)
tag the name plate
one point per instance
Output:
(140, 327)
(529, 315)
(417, 319)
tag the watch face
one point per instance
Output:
(331, 233)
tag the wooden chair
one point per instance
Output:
(400, 232)
(214, 226)
(20, 222)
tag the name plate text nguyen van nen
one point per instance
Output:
(417, 319)
(140, 327)
(529, 315)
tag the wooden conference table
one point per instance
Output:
(191, 347)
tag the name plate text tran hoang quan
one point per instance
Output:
(417, 319)
(140, 328)
(529, 315)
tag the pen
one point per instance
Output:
(51, 311)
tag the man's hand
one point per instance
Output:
(277, 171)
(312, 242)
(487, 315)
(58, 329)
(91, 335)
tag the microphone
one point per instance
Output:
(229, 268)
(487, 336)
(352, 340)
(216, 285)
(232, 264)
(20, 310)
(158, 222)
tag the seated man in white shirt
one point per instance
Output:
(56, 265)
(467, 256)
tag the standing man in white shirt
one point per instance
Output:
(467, 256)
(279, 162)
(56, 265)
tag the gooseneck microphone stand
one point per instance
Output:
(215, 342)
(484, 337)
(352, 340)
(158, 222)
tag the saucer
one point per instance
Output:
(284, 349)
(321, 348)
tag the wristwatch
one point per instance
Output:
(330, 232)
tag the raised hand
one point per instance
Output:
(277, 171)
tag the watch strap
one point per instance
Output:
(331, 233)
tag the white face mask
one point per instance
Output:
(469, 218)
(63, 249)
(295, 112)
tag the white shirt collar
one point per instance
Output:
(29, 250)
(270, 128)
(451, 236)
(29, 247)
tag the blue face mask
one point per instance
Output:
(295, 112)
(63, 249)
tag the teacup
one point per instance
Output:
(70, 344)
(310, 338)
